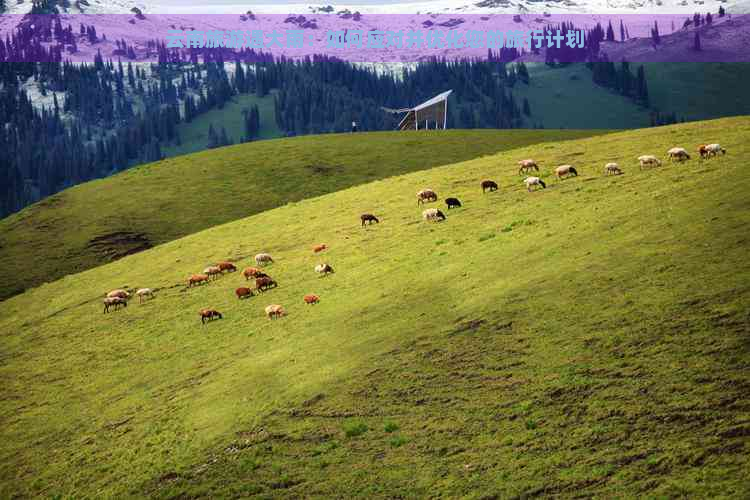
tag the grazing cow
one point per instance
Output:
(526, 166)
(212, 271)
(226, 266)
(612, 169)
(143, 293)
(197, 279)
(452, 202)
(648, 161)
(678, 154)
(368, 219)
(433, 214)
(425, 196)
(253, 272)
(487, 184)
(264, 283)
(263, 258)
(123, 294)
(323, 269)
(115, 302)
(565, 170)
(534, 181)
(209, 314)
(311, 298)
(715, 149)
(275, 311)
(243, 292)
(320, 248)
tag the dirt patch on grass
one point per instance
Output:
(320, 169)
(113, 246)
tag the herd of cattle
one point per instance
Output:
(263, 282)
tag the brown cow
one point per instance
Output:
(209, 314)
(226, 266)
(243, 292)
(197, 279)
(253, 272)
(425, 196)
(311, 298)
(265, 283)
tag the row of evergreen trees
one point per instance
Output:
(101, 118)
(107, 116)
(621, 80)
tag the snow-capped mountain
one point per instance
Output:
(424, 7)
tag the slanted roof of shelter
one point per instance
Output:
(426, 104)
(434, 100)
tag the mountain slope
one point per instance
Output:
(194, 135)
(105, 219)
(588, 339)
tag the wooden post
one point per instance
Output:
(445, 113)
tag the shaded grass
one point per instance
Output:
(562, 97)
(194, 135)
(102, 220)
(600, 351)
(697, 91)
(566, 96)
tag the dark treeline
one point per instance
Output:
(98, 119)
(101, 118)
(621, 80)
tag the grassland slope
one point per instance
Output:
(588, 339)
(103, 220)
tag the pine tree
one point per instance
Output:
(213, 139)
(523, 72)
(622, 31)
(526, 107)
(224, 138)
(709, 18)
(655, 37)
(642, 86)
(697, 41)
(721, 11)
(610, 32)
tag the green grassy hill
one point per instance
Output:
(566, 97)
(585, 340)
(194, 135)
(697, 91)
(99, 221)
